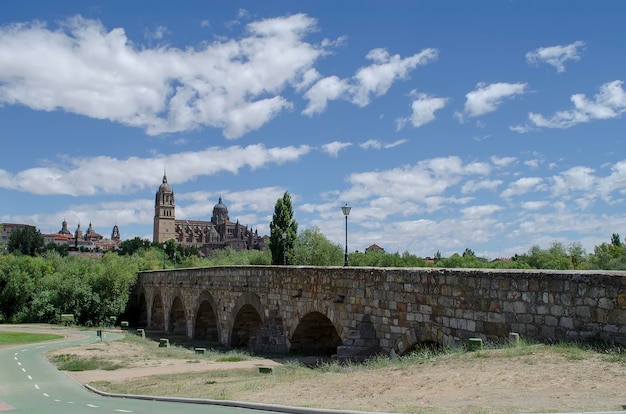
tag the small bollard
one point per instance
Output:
(164, 343)
(200, 350)
(474, 344)
(141, 333)
(514, 339)
(265, 370)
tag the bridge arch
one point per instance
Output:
(206, 324)
(248, 318)
(315, 334)
(157, 314)
(177, 319)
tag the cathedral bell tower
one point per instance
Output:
(164, 226)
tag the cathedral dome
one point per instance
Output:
(220, 206)
(165, 187)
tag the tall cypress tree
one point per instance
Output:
(283, 230)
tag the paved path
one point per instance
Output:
(30, 384)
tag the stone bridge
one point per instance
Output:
(354, 312)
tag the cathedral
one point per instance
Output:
(206, 236)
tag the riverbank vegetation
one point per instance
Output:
(42, 286)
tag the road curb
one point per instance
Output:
(229, 403)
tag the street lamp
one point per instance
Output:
(346, 212)
(284, 242)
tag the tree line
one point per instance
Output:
(39, 283)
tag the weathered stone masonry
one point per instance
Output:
(360, 311)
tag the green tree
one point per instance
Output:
(130, 246)
(312, 248)
(578, 256)
(26, 240)
(609, 256)
(283, 230)
(615, 240)
(555, 257)
(469, 253)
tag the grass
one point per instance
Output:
(17, 338)
(294, 377)
(69, 362)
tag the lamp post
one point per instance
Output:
(346, 211)
(284, 249)
(164, 254)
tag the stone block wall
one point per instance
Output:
(407, 305)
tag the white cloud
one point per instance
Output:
(333, 148)
(158, 33)
(91, 176)
(532, 163)
(556, 55)
(502, 161)
(522, 186)
(86, 69)
(322, 91)
(375, 144)
(410, 188)
(487, 97)
(375, 79)
(476, 212)
(423, 110)
(609, 102)
(521, 129)
(575, 179)
(471, 186)
(534, 205)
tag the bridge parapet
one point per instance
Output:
(307, 309)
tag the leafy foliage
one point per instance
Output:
(312, 248)
(26, 240)
(283, 230)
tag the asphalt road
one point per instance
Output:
(30, 384)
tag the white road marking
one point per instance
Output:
(16, 354)
(123, 411)
(24, 350)
(36, 386)
(29, 377)
(24, 369)
(45, 394)
(41, 346)
(15, 358)
(19, 363)
(71, 402)
(57, 400)
(92, 406)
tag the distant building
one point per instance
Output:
(7, 231)
(90, 240)
(374, 248)
(206, 236)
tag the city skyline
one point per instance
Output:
(493, 126)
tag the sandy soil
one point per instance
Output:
(496, 383)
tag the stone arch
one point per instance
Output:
(247, 319)
(157, 316)
(315, 335)
(291, 323)
(177, 320)
(206, 324)
(412, 339)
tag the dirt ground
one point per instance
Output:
(487, 382)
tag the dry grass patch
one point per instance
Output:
(530, 378)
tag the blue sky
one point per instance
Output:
(490, 125)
